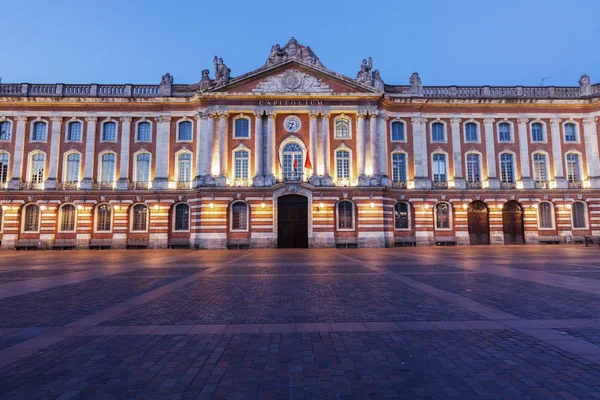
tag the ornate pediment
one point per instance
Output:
(292, 80)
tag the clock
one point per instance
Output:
(292, 124)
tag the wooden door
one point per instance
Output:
(512, 221)
(292, 222)
(479, 225)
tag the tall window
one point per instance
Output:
(39, 131)
(182, 217)
(109, 132)
(103, 218)
(401, 215)
(239, 216)
(473, 168)
(74, 131)
(345, 215)
(108, 168)
(578, 215)
(292, 161)
(540, 170)
(144, 132)
(471, 132)
(399, 167)
(143, 167)
(38, 163)
(139, 217)
(242, 128)
(5, 133)
(67, 218)
(442, 216)
(570, 132)
(3, 167)
(439, 168)
(241, 164)
(537, 132)
(184, 167)
(506, 168)
(437, 132)
(185, 131)
(73, 161)
(342, 128)
(504, 132)
(342, 164)
(31, 222)
(573, 174)
(545, 215)
(398, 131)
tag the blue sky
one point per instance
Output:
(462, 42)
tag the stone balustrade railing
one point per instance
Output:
(65, 90)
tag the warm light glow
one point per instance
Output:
(519, 185)
(79, 207)
(535, 206)
(321, 205)
(500, 205)
(263, 205)
(4, 207)
(212, 205)
(117, 207)
(43, 207)
(485, 184)
(568, 206)
(552, 184)
(450, 184)
(410, 184)
(465, 206)
(426, 206)
(372, 205)
(156, 206)
(587, 184)
(172, 185)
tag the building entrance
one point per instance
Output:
(479, 225)
(512, 220)
(292, 222)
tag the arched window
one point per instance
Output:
(239, 216)
(185, 131)
(108, 168)
(540, 168)
(139, 218)
(39, 131)
(144, 132)
(103, 218)
(573, 172)
(401, 215)
(473, 168)
(570, 132)
(398, 131)
(471, 132)
(504, 132)
(578, 212)
(67, 218)
(345, 211)
(5, 133)
(182, 217)
(398, 167)
(109, 132)
(74, 131)
(292, 161)
(545, 215)
(38, 164)
(241, 128)
(439, 168)
(241, 164)
(506, 168)
(31, 221)
(342, 164)
(3, 167)
(184, 167)
(143, 168)
(442, 216)
(342, 128)
(437, 132)
(537, 132)
(73, 162)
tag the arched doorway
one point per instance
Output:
(292, 221)
(479, 224)
(512, 221)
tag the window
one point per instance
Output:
(74, 131)
(109, 132)
(573, 174)
(537, 132)
(399, 167)
(39, 131)
(471, 132)
(241, 164)
(540, 170)
(545, 215)
(182, 217)
(108, 168)
(439, 168)
(504, 132)
(143, 167)
(185, 131)
(184, 167)
(506, 168)
(5, 133)
(31, 223)
(73, 160)
(144, 132)
(67, 218)
(570, 132)
(398, 131)
(437, 132)
(139, 217)
(342, 164)
(38, 163)
(473, 168)
(292, 161)
(345, 215)
(442, 216)
(401, 215)
(239, 216)
(578, 215)
(103, 218)
(3, 167)
(242, 128)
(342, 128)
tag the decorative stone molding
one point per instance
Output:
(521, 120)
(555, 120)
(590, 120)
(455, 120)
(91, 119)
(489, 120)
(292, 80)
(55, 118)
(163, 118)
(20, 118)
(126, 119)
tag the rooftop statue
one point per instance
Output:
(377, 81)
(222, 73)
(167, 79)
(364, 75)
(292, 50)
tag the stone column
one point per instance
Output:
(221, 149)
(123, 182)
(17, 169)
(371, 167)
(421, 177)
(211, 138)
(590, 134)
(459, 181)
(360, 147)
(557, 154)
(382, 148)
(51, 178)
(490, 153)
(161, 175)
(326, 180)
(312, 146)
(528, 182)
(89, 161)
(201, 161)
(271, 150)
(259, 175)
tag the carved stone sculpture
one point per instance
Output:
(585, 85)
(415, 84)
(292, 80)
(377, 81)
(222, 73)
(167, 79)
(364, 75)
(292, 50)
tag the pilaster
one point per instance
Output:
(54, 150)
(459, 181)
(161, 175)
(17, 170)
(526, 178)
(421, 177)
(90, 144)
(590, 134)
(326, 180)
(559, 171)
(270, 158)
(259, 177)
(360, 146)
(382, 147)
(122, 183)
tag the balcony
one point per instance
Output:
(73, 185)
(399, 185)
(508, 185)
(575, 184)
(473, 185)
(542, 184)
(103, 185)
(293, 176)
(440, 185)
(139, 185)
(31, 185)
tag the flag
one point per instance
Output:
(295, 164)
(307, 163)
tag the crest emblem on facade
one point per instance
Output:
(292, 80)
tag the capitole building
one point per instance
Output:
(293, 154)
